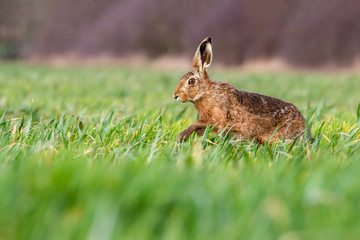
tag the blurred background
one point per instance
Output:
(301, 33)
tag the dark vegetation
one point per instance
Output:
(307, 33)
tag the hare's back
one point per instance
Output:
(265, 106)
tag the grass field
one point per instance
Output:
(91, 154)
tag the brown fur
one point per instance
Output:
(248, 116)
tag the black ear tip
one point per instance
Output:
(209, 40)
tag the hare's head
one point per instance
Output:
(193, 85)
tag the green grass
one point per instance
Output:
(91, 154)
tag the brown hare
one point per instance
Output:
(248, 116)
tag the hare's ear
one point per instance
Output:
(203, 56)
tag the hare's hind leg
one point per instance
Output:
(294, 130)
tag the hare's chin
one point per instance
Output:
(179, 100)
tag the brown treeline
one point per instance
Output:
(302, 32)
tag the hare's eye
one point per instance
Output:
(191, 81)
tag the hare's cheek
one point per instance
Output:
(194, 91)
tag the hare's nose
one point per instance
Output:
(176, 97)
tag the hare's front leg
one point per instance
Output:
(198, 127)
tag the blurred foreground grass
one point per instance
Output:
(91, 154)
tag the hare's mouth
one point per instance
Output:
(180, 100)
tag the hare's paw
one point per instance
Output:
(182, 137)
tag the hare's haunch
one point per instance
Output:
(248, 116)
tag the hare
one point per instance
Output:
(247, 115)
